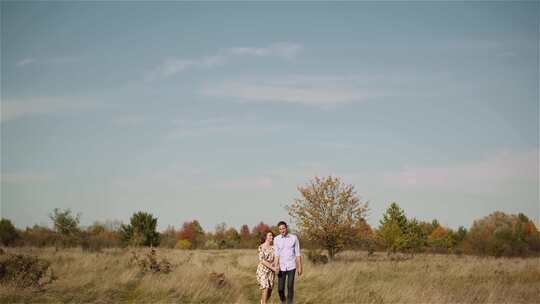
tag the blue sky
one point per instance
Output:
(218, 111)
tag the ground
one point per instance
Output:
(112, 276)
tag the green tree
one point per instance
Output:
(8, 233)
(329, 213)
(393, 227)
(141, 231)
(413, 239)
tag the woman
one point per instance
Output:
(267, 268)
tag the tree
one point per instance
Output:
(413, 239)
(259, 231)
(501, 234)
(219, 235)
(141, 231)
(442, 240)
(328, 213)
(193, 232)
(64, 222)
(245, 236)
(168, 237)
(232, 238)
(8, 233)
(393, 226)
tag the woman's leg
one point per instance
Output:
(269, 294)
(264, 295)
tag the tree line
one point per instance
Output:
(328, 215)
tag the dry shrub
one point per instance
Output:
(24, 271)
(219, 280)
(150, 263)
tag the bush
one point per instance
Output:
(150, 263)
(317, 257)
(39, 236)
(24, 271)
(8, 233)
(500, 234)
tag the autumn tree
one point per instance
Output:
(232, 238)
(328, 213)
(193, 232)
(502, 234)
(245, 236)
(442, 240)
(259, 231)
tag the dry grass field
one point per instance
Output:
(112, 277)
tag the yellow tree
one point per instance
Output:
(329, 213)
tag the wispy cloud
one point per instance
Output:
(52, 60)
(225, 126)
(25, 177)
(282, 49)
(173, 66)
(24, 62)
(246, 184)
(487, 174)
(18, 108)
(321, 90)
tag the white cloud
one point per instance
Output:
(173, 66)
(317, 90)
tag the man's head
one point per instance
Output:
(282, 226)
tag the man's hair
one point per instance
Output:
(282, 223)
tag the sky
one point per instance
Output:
(218, 111)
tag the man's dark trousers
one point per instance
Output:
(289, 275)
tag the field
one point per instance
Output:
(111, 277)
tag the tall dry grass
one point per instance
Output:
(110, 277)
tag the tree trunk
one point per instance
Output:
(331, 253)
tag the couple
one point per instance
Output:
(279, 255)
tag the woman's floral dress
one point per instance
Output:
(265, 275)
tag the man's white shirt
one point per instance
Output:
(287, 248)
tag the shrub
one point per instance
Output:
(183, 244)
(24, 271)
(219, 280)
(39, 236)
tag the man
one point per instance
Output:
(287, 250)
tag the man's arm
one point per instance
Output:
(298, 256)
